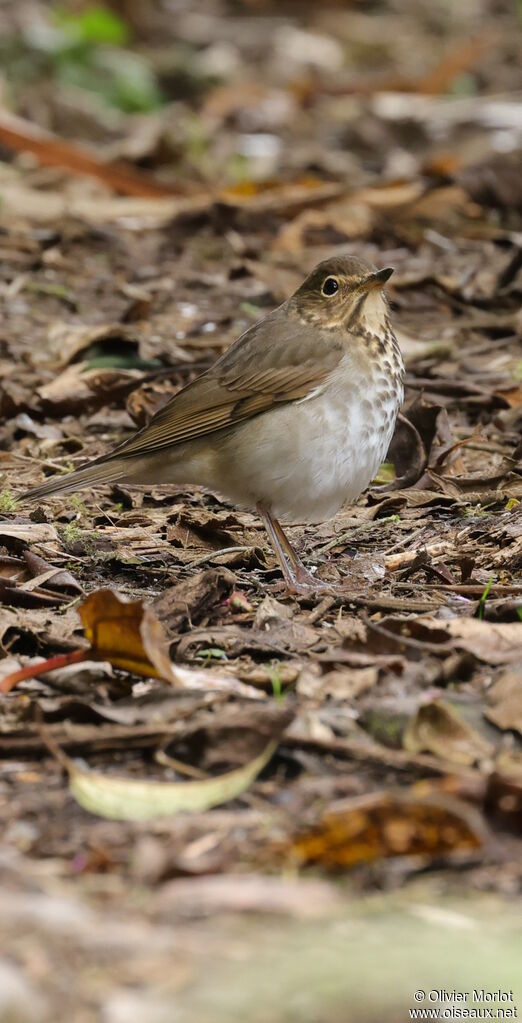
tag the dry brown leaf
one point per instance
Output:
(129, 636)
(505, 701)
(25, 137)
(77, 385)
(492, 642)
(349, 219)
(30, 581)
(66, 340)
(343, 684)
(388, 824)
(27, 532)
(126, 633)
(45, 206)
(437, 728)
(406, 454)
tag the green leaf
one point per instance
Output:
(127, 799)
(212, 653)
(8, 502)
(95, 25)
(276, 681)
(386, 473)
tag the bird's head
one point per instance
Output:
(344, 293)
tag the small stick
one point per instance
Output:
(42, 667)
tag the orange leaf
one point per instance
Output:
(384, 825)
(24, 136)
(127, 634)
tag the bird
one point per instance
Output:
(291, 421)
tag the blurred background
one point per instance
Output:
(211, 92)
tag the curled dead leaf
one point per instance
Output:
(406, 454)
(437, 728)
(131, 799)
(128, 635)
(66, 340)
(505, 700)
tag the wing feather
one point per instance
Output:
(232, 391)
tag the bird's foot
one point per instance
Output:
(301, 582)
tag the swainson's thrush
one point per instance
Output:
(293, 420)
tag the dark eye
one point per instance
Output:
(330, 286)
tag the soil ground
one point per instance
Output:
(386, 826)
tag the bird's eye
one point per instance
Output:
(330, 286)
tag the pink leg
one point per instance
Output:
(298, 579)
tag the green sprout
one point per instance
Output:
(8, 501)
(276, 682)
(482, 602)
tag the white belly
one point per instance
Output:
(303, 461)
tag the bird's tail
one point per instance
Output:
(104, 471)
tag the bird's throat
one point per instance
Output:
(369, 315)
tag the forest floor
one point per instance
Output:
(388, 819)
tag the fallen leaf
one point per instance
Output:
(406, 454)
(343, 684)
(129, 636)
(343, 221)
(66, 340)
(131, 800)
(45, 206)
(23, 136)
(492, 642)
(505, 701)
(79, 387)
(191, 599)
(27, 532)
(30, 581)
(389, 824)
(437, 728)
(126, 633)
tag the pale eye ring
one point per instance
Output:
(330, 286)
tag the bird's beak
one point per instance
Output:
(376, 280)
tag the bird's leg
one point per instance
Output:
(298, 579)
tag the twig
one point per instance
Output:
(415, 644)
(367, 752)
(466, 588)
(322, 608)
(23, 136)
(217, 554)
(42, 667)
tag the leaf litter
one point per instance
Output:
(207, 197)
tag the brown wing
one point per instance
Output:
(260, 370)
